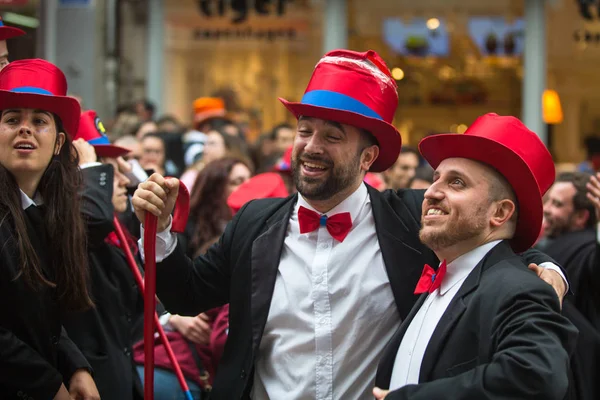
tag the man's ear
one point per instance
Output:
(503, 212)
(368, 157)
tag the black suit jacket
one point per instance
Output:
(241, 270)
(106, 333)
(36, 354)
(501, 337)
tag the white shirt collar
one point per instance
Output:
(459, 269)
(352, 204)
(26, 201)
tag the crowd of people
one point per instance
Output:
(325, 260)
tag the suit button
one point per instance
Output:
(54, 340)
(243, 374)
(128, 317)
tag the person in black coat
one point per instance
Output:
(106, 333)
(485, 326)
(42, 257)
(312, 303)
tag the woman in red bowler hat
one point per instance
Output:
(7, 32)
(43, 262)
(106, 333)
(317, 282)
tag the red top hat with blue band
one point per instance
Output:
(92, 131)
(39, 84)
(7, 32)
(355, 89)
(505, 144)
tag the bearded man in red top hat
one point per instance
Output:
(317, 282)
(485, 327)
(7, 32)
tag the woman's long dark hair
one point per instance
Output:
(65, 232)
(208, 205)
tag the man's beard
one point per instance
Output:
(339, 177)
(454, 232)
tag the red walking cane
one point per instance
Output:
(148, 289)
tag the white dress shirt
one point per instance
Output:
(416, 339)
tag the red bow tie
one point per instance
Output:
(338, 225)
(430, 279)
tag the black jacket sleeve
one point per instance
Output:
(70, 358)
(97, 208)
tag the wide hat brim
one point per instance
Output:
(8, 32)
(67, 108)
(110, 150)
(437, 148)
(386, 134)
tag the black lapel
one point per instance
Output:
(266, 253)
(386, 364)
(403, 254)
(457, 307)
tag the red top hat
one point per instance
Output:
(514, 151)
(285, 163)
(92, 131)
(355, 89)
(40, 85)
(7, 32)
(261, 186)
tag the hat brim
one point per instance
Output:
(8, 32)
(437, 148)
(110, 150)
(386, 134)
(67, 108)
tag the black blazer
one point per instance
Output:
(501, 337)
(36, 355)
(241, 270)
(106, 333)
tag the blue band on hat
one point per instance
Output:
(329, 99)
(31, 89)
(99, 140)
(1, 23)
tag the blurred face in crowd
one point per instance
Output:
(560, 215)
(120, 182)
(146, 128)
(284, 139)
(214, 147)
(132, 144)
(419, 184)
(458, 210)
(3, 54)
(329, 159)
(238, 175)
(399, 174)
(153, 153)
(28, 140)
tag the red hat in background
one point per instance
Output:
(261, 186)
(7, 32)
(356, 89)
(93, 132)
(374, 180)
(514, 151)
(39, 84)
(285, 163)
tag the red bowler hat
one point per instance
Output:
(355, 89)
(7, 32)
(514, 151)
(261, 186)
(92, 131)
(39, 84)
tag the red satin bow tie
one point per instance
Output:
(430, 279)
(338, 225)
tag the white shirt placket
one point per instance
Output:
(322, 313)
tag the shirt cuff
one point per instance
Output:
(164, 319)
(90, 164)
(166, 242)
(554, 267)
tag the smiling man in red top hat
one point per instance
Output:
(485, 326)
(6, 32)
(317, 282)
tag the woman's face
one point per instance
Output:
(120, 182)
(214, 148)
(153, 153)
(28, 140)
(238, 175)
